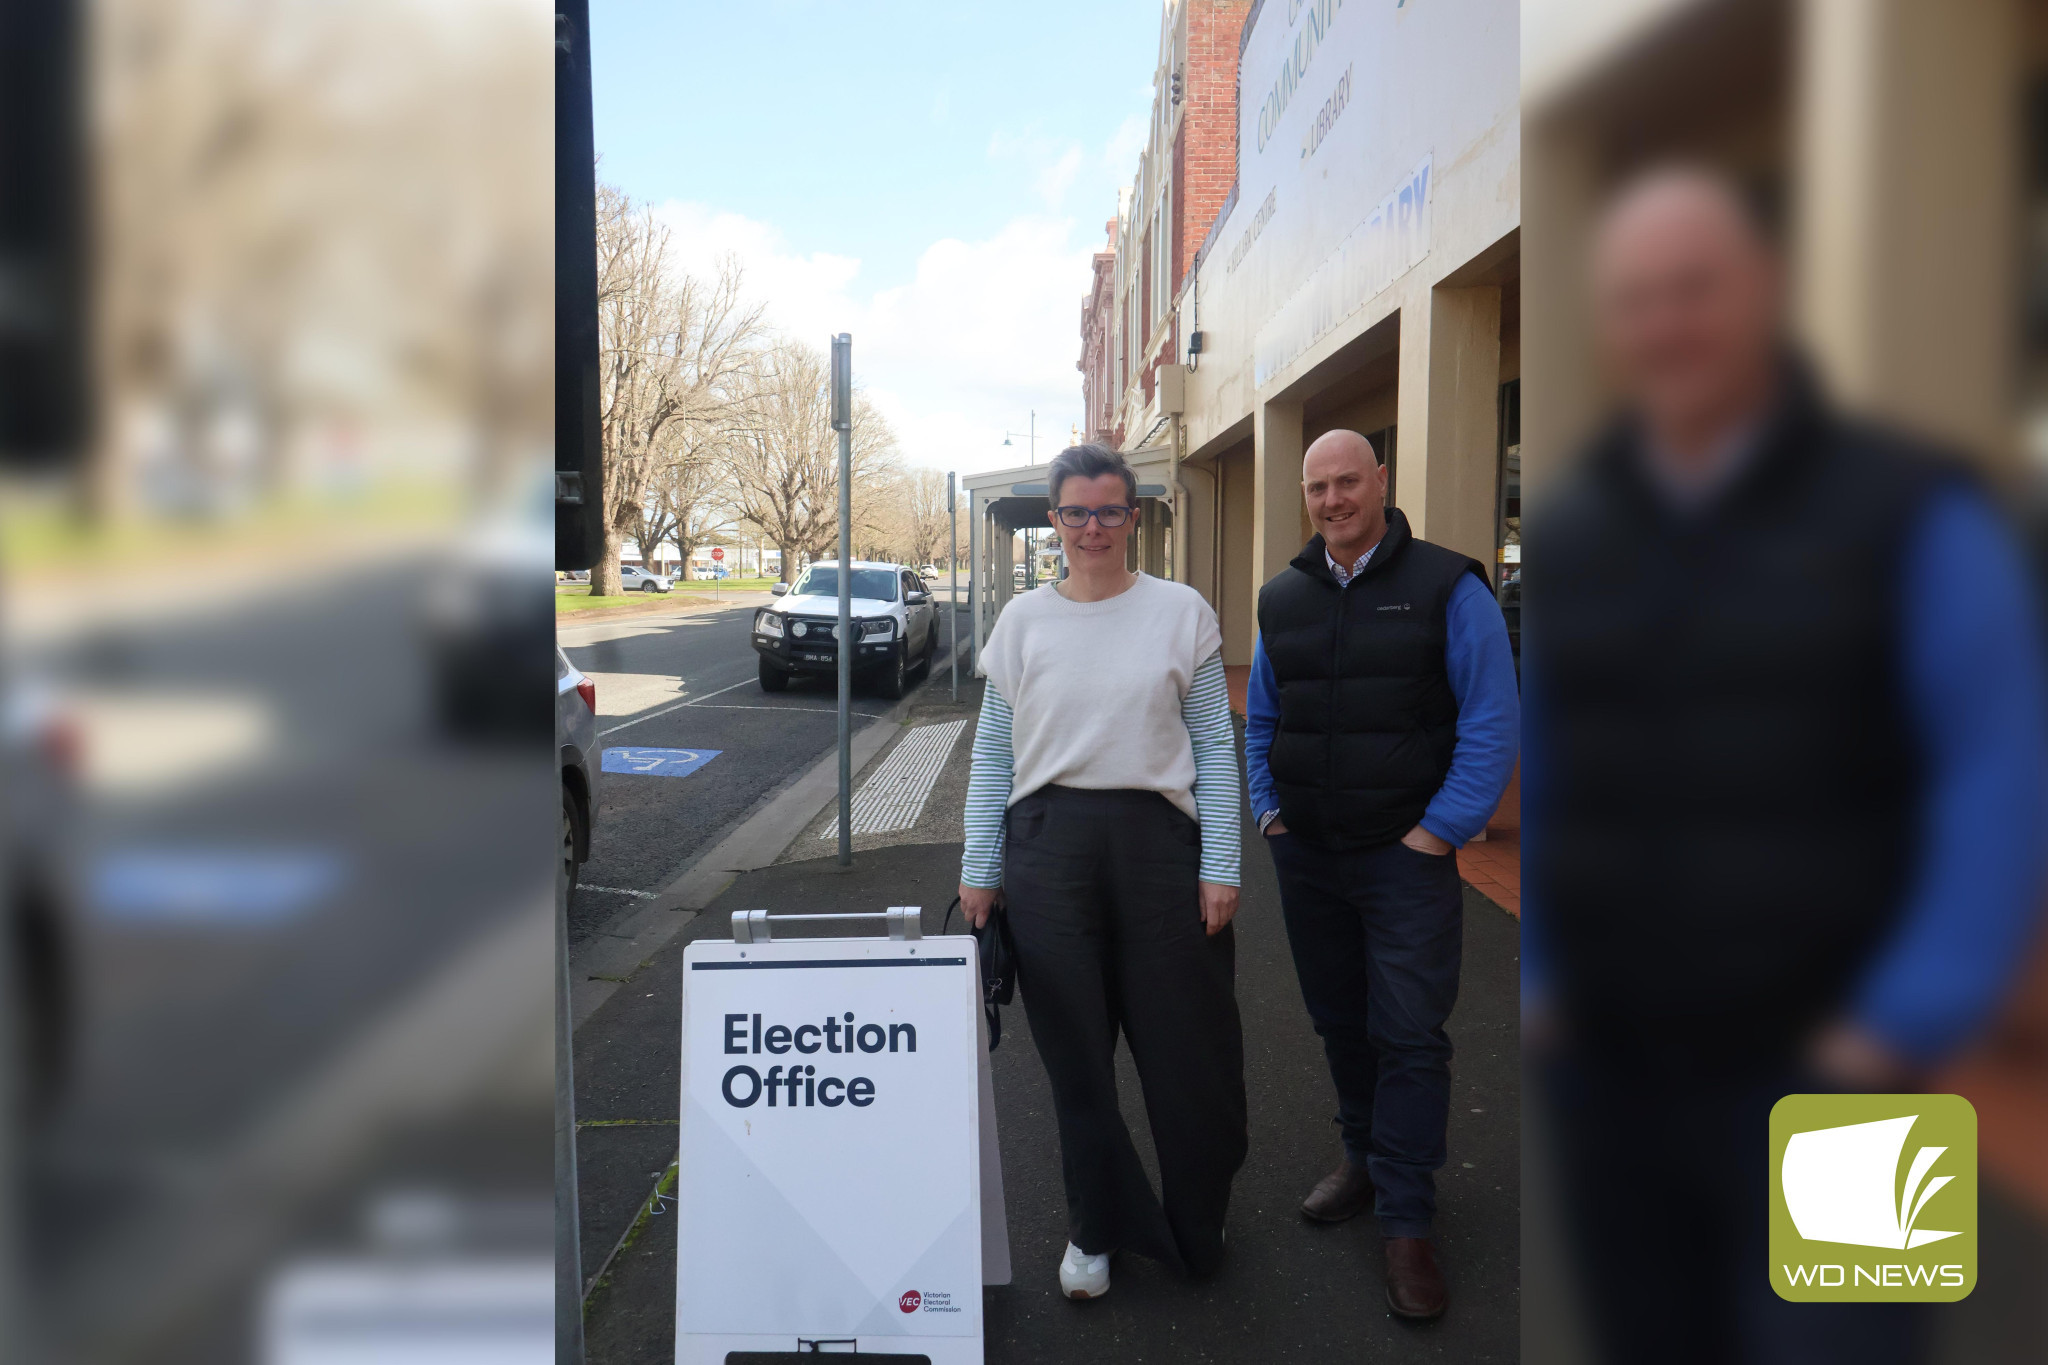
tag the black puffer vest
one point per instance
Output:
(1723, 786)
(1367, 716)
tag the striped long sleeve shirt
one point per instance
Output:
(1217, 789)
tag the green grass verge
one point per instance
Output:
(45, 534)
(578, 598)
(663, 1192)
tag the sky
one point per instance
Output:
(930, 178)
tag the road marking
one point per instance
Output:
(615, 891)
(658, 762)
(805, 710)
(894, 795)
(168, 886)
(653, 715)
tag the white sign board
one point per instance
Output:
(829, 1182)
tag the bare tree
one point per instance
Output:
(924, 494)
(782, 457)
(674, 353)
(287, 268)
(655, 524)
(688, 494)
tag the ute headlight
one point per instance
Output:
(768, 623)
(884, 629)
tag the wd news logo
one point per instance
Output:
(1873, 1198)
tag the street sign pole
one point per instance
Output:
(953, 581)
(842, 422)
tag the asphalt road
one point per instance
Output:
(286, 847)
(690, 681)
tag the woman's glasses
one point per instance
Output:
(1109, 518)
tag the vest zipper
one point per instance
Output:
(1336, 662)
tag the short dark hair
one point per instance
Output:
(1090, 461)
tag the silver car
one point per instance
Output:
(633, 578)
(576, 750)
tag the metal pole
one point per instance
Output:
(842, 419)
(953, 581)
(974, 589)
(568, 1216)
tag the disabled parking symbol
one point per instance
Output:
(658, 762)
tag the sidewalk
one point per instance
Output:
(1291, 1290)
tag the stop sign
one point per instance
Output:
(718, 554)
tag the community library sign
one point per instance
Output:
(1352, 110)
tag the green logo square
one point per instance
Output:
(1873, 1198)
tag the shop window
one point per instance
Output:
(1508, 536)
(1384, 445)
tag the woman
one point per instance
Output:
(1103, 809)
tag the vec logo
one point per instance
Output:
(1873, 1198)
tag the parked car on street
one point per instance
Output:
(39, 757)
(633, 578)
(930, 573)
(577, 755)
(893, 622)
(483, 628)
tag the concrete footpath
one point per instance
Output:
(1291, 1290)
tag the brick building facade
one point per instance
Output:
(1185, 174)
(1328, 195)
(1099, 390)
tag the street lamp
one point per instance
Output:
(1031, 436)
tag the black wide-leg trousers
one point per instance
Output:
(1104, 910)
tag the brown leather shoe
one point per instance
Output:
(1344, 1193)
(1415, 1286)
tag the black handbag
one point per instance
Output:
(998, 956)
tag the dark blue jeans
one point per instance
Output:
(1377, 939)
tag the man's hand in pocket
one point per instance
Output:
(1422, 841)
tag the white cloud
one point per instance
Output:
(1055, 179)
(1051, 164)
(981, 334)
(804, 293)
(1120, 153)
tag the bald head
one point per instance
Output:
(1345, 490)
(1686, 302)
(1660, 208)
(1335, 450)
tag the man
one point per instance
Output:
(1786, 785)
(1381, 730)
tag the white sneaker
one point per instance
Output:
(1083, 1276)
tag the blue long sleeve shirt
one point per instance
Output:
(1976, 696)
(1481, 667)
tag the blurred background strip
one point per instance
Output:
(276, 337)
(1899, 153)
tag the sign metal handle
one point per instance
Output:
(757, 926)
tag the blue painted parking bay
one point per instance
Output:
(657, 762)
